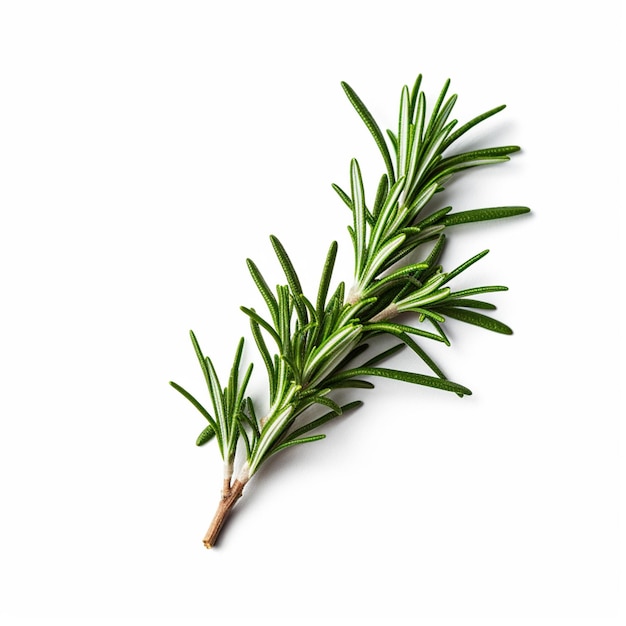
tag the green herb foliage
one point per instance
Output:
(312, 346)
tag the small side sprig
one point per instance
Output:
(225, 423)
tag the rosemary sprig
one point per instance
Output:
(311, 347)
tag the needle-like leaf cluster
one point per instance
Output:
(311, 347)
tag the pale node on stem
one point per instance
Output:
(354, 295)
(244, 473)
(387, 313)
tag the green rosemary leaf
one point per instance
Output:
(384, 355)
(295, 442)
(404, 146)
(380, 261)
(217, 398)
(372, 126)
(442, 118)
(233, 380)
(477, 155)
(327, 417)
(393, 139)
(470, 303)
(477, 290)
(464, 266)
(246, 441)
(397, 329)
(285, 309)
(473, 122)
(263, 288)
(251, 418)
(439, 329)
(427, 314)
(343, 195)
(401, 274)
(415, 92)
(193, 401)
(431, 261)
(432, 156)
(440, 174)
(435, 254)
(385, 215)
(479, 215)
(435, 217)
(420, 118)
(286, 264)
(293, 368)
(242, 387)
(400, 334)
(353, 354)
(204, 412)
(358, 202)
(265, 354)
(408, 377)
(430, 129)
(331, 351)
(327, 402)
(266, 325)
(354, 383)
(200, 356)
(381, 194)
(205, 436)
(333, 310)
(477, 319)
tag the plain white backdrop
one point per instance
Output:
(146, 150)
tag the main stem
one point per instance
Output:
(230, 496)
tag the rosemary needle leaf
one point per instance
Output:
(343, 195)
(469, 303)
(479, 215)
(473, 122)
(263, 350)
(296, 442)
(417, 348)
(205, 436)
(385, 354)
(408, 377)
(461, 268)
(415, 91)
(198, 351)
(327, 273)
(263, 288)
(476, 155)
(381, 194)
(320, 421)
(287, 265)
(396, 329)
(266, 325)
(393, 139)
(193, 401)
(327, 402)
(435, 217)
(472, 291)
(358, 202)
(372, 126)
(437, 107)
(477, 319)
(354, 383)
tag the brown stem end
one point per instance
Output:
(229, 498)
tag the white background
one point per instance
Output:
(147, 149)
